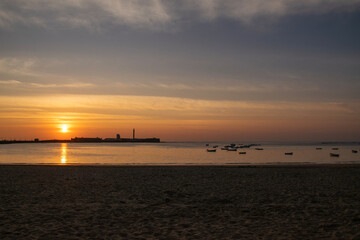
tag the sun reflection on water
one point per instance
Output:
(63, 153)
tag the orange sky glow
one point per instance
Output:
(173, 119)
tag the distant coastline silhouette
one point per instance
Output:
(86, 140)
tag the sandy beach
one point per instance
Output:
(175, 202)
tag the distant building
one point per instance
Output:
(82, 139)
(117, 139)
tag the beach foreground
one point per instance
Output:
(174, 202)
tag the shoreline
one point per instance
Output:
(271, 165)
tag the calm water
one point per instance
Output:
(170, 154)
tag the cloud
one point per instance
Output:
(155, 14)
(146, 107)
(247, 10)
(51, 85)
(26, 68)
(34, 70)
(70, 85)
(9, 82)
(84, 13)
(174, 86)
(237, 88)
(17, 66)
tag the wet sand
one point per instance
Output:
(193, 202)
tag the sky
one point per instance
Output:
(181, 70)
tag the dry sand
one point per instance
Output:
(83, 202)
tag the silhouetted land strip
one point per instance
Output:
(85, 140)
(82, 202)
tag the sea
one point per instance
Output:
(176, 153)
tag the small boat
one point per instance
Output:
(242, 152)
(245, 146)
(335, 148)
(334, 155)
(232, 149)
(289, 153)
(354, 151)
(259, 149)
(224, 148)
(207, 144)
(215, 146)
(318, 148)
(211, 150)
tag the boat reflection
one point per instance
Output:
(63, 153)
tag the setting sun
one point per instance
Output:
(64, 128)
